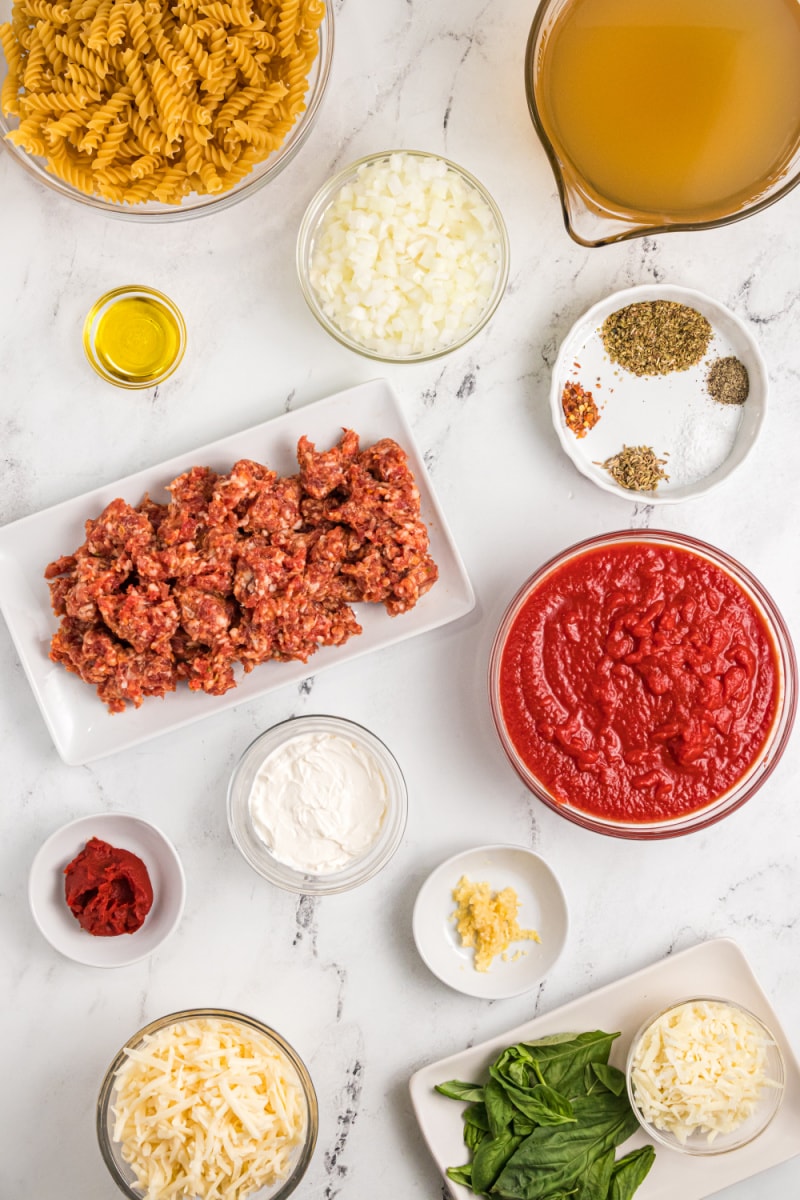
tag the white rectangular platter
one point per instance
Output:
(715, 968)
(79, 723)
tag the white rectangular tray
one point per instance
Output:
(715, 968)
(81, 727)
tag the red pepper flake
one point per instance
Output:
(580, 411)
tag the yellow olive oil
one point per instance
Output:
(681, 109)
(134, 337)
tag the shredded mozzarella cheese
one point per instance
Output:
(700, 1068)
(206, 1109)
(406, 257)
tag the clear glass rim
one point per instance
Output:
(774, 745)
(309, 227)
(645, 229)
(207, 204)
(366, 866)
(107, 1088)
(89, 333)
(665, 1139)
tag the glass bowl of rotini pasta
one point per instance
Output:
(156, 110)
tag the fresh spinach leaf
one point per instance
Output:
(546, 1125)
(499, 1108)
(562, 1061)
(457, 1090)
(610, 1077)
(473, 1136)
(490, 1158)
(629, 1172)
(461, 1175)
(514, 1065)
(555, 1158)
(476, 1115)
(542, 1104)
(597, 1178)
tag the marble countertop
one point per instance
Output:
(339, 976)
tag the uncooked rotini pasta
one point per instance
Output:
(137, 100)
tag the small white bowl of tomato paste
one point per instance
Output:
(107, 890)
(643, 684)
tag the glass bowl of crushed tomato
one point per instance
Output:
(643, 685)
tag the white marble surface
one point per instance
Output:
(339, 976)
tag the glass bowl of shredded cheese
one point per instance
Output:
(705, 1076)
(207, 1103)
(403, 256)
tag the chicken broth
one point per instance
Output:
(685, 109)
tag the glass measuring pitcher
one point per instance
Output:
(665, 114)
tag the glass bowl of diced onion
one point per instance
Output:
(236, 156)
(705, 1076)
(403, 256)
(211, 1102)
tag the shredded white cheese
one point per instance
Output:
(406, 256)
(207, 1109)
(700, 1068)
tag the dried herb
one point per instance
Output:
(580, 411)
(656, 337)
(637, 468)
(727, 381)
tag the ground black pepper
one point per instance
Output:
(656, 337)
(727, 381)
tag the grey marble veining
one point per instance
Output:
(339, 976)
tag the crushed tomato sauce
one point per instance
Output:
(639, 682)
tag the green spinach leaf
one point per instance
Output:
(462, 1175)
(490, 1158)
(542, 1104)
(629, 1172)
(555, 1158)
(473, 1136)
(476, 1115)
(562, 1060)
(610, 1077)
(597, 1178)
(499, 1108)
(457, 1090)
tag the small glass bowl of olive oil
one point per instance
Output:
(134, 337)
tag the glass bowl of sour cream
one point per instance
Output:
(317, 805)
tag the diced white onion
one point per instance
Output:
(406, 256)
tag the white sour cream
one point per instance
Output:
(318, 802)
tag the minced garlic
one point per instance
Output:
(488, 921)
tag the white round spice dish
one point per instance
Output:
(705, 1076)
(542, 907)
(403, 256)
(702, 440)
(61, 928)
(317, 805)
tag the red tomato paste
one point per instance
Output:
(108, 890)
(639, 682)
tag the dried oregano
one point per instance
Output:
(656, 337)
